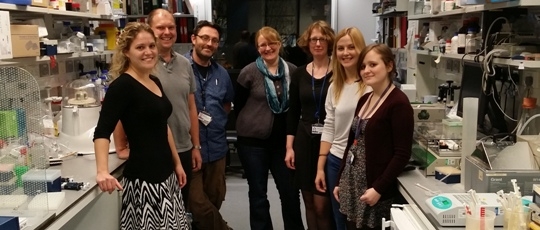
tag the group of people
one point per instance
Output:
(336, 129)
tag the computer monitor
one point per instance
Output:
(490, 118)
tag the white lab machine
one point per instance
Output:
(449, 208)
(80, 114)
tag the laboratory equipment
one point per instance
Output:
(473, 85)
(20, 104)
(429, 112)
(80, 113)
(432, 148)
(449, 208)
(492, 166)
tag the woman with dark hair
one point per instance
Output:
(379, 144)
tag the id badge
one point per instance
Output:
(205, 118)
(317, 128)
(350, 159)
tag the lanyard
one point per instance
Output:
(203, 84)
(359, 126)
(317, 103)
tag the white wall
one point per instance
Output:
(356, 13)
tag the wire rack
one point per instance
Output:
(24, 182)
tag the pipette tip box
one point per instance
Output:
(9, 223)
(449, 175)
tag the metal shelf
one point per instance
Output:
(496, 61)
(478, 8)
(59, 57)
(176, 15)
(390, 13)
(17, 10)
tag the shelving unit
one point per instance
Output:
(176, 15)
(497, 61)
(59, 57)
(476, 8)
(24, 11)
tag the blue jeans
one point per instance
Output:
(256, 162)
(333, 164)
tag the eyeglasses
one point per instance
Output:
(315, 40)
(272, 45)
(207, 38)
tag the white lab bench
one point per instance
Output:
(84, 209)
(415, 196)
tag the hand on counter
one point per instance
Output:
(196, 159)
(107, 183)
(180, 175)
(370, 197)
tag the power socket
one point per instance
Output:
(44, 69)
(449, 65)
(456, 66)
(69, 66)
(55, 70)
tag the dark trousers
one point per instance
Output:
(185, 159)
(256, 162)
(207, 194)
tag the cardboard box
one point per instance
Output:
(25, 40)
(40, 3)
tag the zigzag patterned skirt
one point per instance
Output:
(152, 206)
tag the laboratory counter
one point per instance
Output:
(416, 196)
(89, 208)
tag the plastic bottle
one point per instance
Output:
(78, 41)
(470, 41)
(427, 7)
(424, 33)
(108, 31)
(416, 41)
(449, 5)
(454, 45)
(448, 46)
(442, 46)
(462, 40)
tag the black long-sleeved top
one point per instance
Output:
(303, 105)
(144, 117)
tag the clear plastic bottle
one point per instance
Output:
(454, 45)
(78, 41)
(470, 41)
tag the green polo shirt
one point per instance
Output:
(178, 82)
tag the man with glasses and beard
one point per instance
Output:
(213, 99)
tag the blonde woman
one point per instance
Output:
(153, 174)
(345, 90)
(261, 103)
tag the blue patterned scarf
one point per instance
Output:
(271, 95)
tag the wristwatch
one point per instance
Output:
(197, 147)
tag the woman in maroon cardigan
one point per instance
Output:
(379, 144)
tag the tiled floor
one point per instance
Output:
(235, 209)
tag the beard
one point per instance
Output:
(202, 55)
